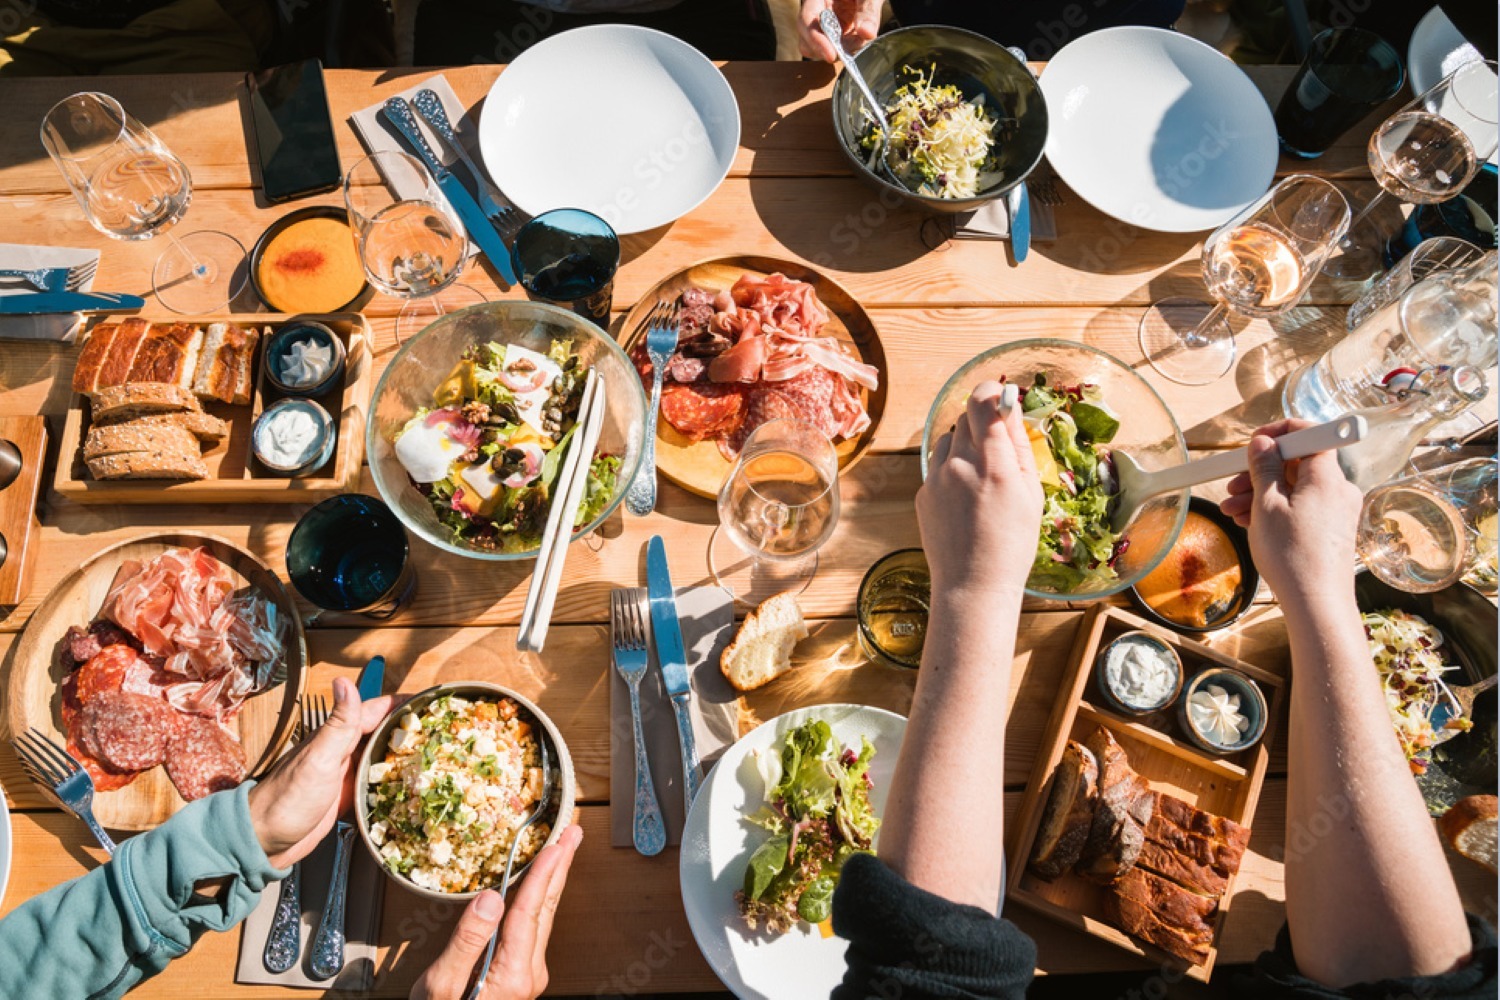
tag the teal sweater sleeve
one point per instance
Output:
(99, 935)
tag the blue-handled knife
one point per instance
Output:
(666, 634)
(397, 112)
(1018, 205)
(372, 678)
(46, 303)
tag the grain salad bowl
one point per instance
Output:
(564, 783)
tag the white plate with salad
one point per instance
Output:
(736, 842)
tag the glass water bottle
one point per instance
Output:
(1394, 430)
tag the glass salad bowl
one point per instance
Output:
(1148, 432)
(425, 361)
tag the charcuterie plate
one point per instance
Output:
(263, 722)
(700, 466)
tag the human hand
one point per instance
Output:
(860, 19)
(980, 510)
(296, 805)
(519, 969)
(1302, 516)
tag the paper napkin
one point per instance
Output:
(707, 615)
(58, 326)
(992, 222)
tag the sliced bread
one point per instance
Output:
(762, 650)
(154, 464)
(225, 369)
(1471, 827)
(168, 354)
(1069, 813)
(119, 355)
(117, 439)
(1175, 919)
(206, 427)
(91, 359)
(139, 399)
(1124, 810)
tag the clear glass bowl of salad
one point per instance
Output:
(1079, 404)
(471, 419)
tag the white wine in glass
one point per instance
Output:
(1412, 538)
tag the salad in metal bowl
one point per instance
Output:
(940, 142)
(1408, 654)
(819, 814)
(488, 451)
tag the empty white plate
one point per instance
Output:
(631, 124)
(1157, 129)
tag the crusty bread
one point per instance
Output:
(1069, 813)
(117, 439)
(157, 463)
(762, 650)
(92, 357)
(1193, 848)
(169, 353)
(138, 399)
(225, 368)
(1121, 815)
(1471, 827)
(206, 427)
(1174, 919)
(119, 358)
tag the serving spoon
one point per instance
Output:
(834, 31)
(1457, 704)
(1137, 485)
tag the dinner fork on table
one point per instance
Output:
(627, 629)
(284, 940)
(661, 325)
(54, 279)
(52, 767)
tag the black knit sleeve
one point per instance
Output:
(1276, 977)
(908, 944)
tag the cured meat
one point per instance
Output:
(106, 779)
(82, 644)
(765, 405)
(682, 368)
(104, 672)
(703, 410)
(124, 731)
(202, 758)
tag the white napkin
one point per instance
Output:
(992, 222)
(58, 326)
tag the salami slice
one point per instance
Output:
(105, 778)
(202, 758)
(766, 404)
(811, 394)
(125, 732)
(704, 409)
(104, 672)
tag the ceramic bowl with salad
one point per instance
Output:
(1079, 405)
(968, 120)
(471, 422)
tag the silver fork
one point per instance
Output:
(627, 629)
(661, 340)
(54, 279)
(430, 109)
(284, 940)
(52, 767)
(1045, 191)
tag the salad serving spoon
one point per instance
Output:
(829, 22)
(1137, 485)
(1456, 704)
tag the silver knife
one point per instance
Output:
(372, 678)
(1018, 204)
(666, 634)
(326, 957)
(399, 114)
(45, 303)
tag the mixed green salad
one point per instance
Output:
(488, 452)
(940, 142)
(819, 814)
(1069, 428)
(1408, 654)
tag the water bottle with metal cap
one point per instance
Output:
(1394, 430)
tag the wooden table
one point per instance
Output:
(621, 928)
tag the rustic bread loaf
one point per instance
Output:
(762, 650)
(1471, 826)
(1123, 810)
(1174, 919)
(138, 399)
(225, 368)
(169, 353)
(117, 439)
(157, 463)
(1193, 848)
(206, 427)
(119, 354)
(1069, 813)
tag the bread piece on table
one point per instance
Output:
(1193, 848)
(226, 370)
(154, 464)
(119, 357)
(1471, 827)
(1069, 813)
(1121, 815)
(91, 358)
(117, 439)
(762, 649)
(1174, 919)
(139, 399)
(206, 427)
(169, 353)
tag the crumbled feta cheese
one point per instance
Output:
(411, 723)
(441, 852)
(484, 746)
(379, 772)
(391, 852)
(378, 831)
(402, 740)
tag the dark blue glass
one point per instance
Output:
(569, 257)
(350, 554)
(1348, 72)
(1469, 216)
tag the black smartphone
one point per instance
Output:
(293, 131)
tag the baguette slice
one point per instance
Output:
(118, 439)
(1174, 919)
(1195, 849)
(139, 399)
(168, 354)
(1125, 807)
(1471, 827)
(91, 358)
(762, 650)
(119, 357)
(225, 368)
(1069, 813)
(206, 427)
(156, 464)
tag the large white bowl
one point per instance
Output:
(631, 124)
(717, 844)
(1157, 129)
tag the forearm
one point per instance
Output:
(1369, 893)
(944, 823)
(125, 921)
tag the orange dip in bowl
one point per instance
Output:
(311, 266)
(1200, 581)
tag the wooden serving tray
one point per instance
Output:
(18, 520)
(1227, 786)
(234, 474)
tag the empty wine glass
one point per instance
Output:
(1411, 537)
(1259, 263)
(411, 244)
(131, 187)
(1424, 154)
(776, 509)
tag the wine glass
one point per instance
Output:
(1424, 154)
(1411, 537)
(132, 187)
(778, 506)
(1257, 264)
(410, 242)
